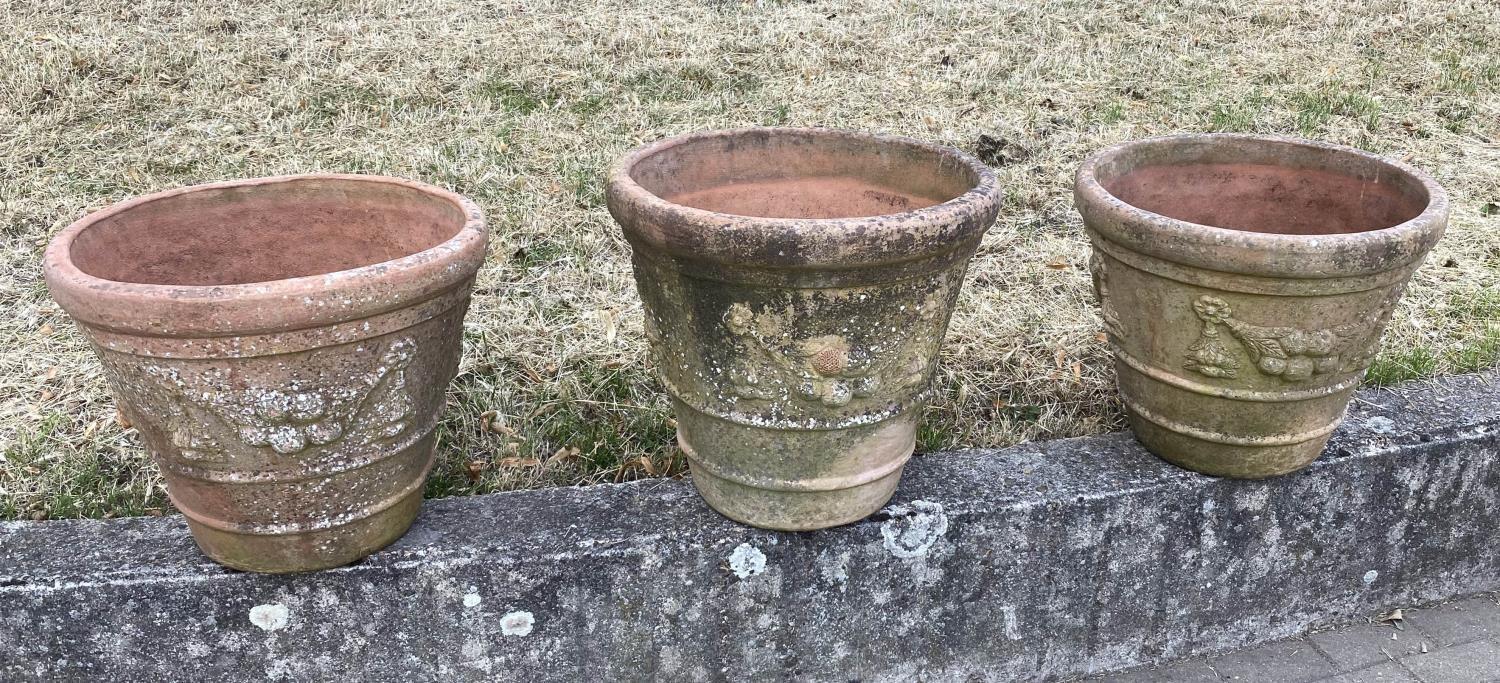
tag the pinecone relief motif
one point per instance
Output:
(835, 373)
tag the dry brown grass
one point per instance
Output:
(521, 106)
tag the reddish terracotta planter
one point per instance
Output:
(1245, 282)
(283, 346)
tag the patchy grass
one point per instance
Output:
(523, 105)
(1476, 313)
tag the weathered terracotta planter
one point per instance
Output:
(797, 286)
(283, 346)
(1245, 283)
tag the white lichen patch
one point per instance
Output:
(472, 600)
(1011, 630)
(1370, 577)
(517, 623)
(747, 561)
(1253, 499)
(273, 617)
(913, 528)
(326, 599)
(835, 569)
(1381, 425)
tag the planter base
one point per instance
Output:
(1224, 460)
(321, 549)
(794, 510)
(795, 479)
(1221, 436)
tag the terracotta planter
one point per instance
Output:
(283, 345)
(1245, 282)
(797, 286)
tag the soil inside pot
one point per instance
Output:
(1267, 198)
(261, 233)
(792, 174)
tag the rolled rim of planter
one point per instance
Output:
(834, 242)
(272, 305)
(1248, 251)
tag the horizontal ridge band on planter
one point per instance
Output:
(797, 286)
(1245, 282)
(283, 346)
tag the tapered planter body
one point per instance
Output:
(282, 345)
(797, 286)
(1245, 283)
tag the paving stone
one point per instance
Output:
(1389, 672)
(1289, 661)
(1477, 662)
(1366, 645)
(1194, 671)
(1459, 622)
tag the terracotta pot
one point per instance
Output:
(1245, 283)
(283, 346)
(797, 286)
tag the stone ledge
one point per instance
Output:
(1038, 562)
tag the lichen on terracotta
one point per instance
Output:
(282, 345)
(797, 286)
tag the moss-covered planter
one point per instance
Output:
(1245, 283)
(797, 286)
(283, 346)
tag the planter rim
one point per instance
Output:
(1296, 256)
(859, 241)
(164, 310)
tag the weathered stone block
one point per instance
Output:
(1037, 562)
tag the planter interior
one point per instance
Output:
(263, 233)
(802, 175)
(1268, 198)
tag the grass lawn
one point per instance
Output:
(522, 105)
